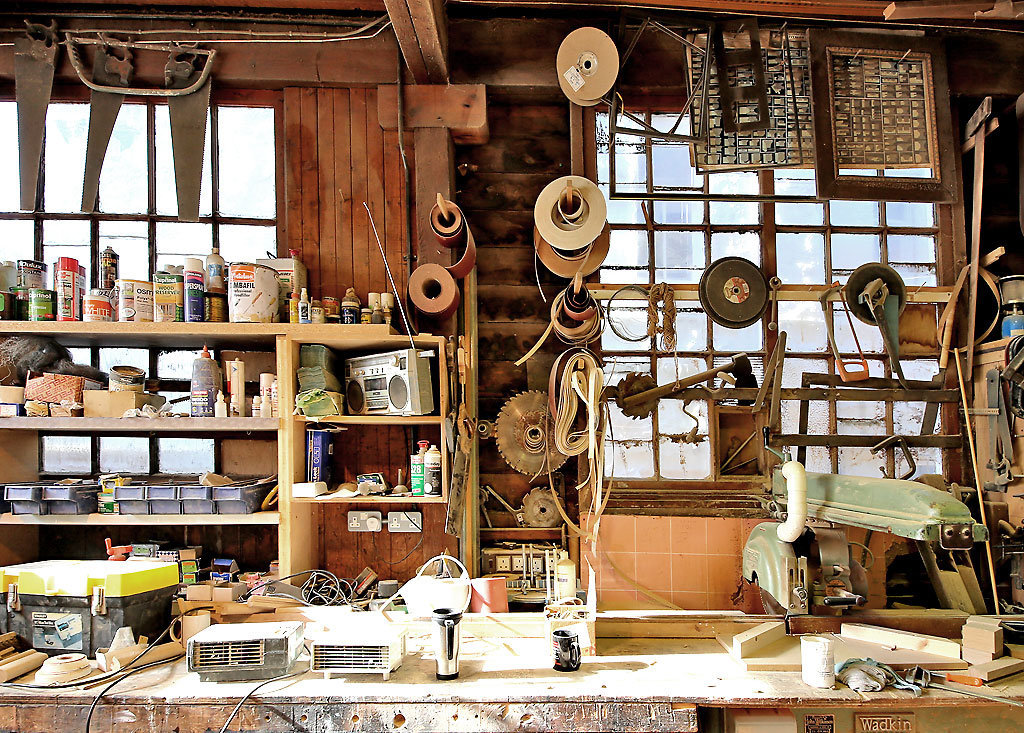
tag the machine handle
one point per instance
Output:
(848, 600)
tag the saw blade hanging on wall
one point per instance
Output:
(108, 70)
(35, 58)
(188, 130)
(523, 432)
(733, 292)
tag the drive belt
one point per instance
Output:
(886, 312)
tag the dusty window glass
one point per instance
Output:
(124, 455)
(185, 455)
(70, 454)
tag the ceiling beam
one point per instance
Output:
(421, 28)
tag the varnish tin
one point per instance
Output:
(126, 378)
(31, 273)
(135, 301)
(96, 307)
(41, 304)
(253, 293)
(168, 297)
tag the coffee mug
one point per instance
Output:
(566, 645)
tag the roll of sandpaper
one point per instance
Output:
(578, 306)
(567, 264)
(588, 64)
(451, 231)
(433, 291)
(467, 262)
(570, 213)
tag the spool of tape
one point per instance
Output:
(578, 306)
(570, 225)
(566, 264)
(587, 64)
(433, 291)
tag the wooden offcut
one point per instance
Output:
(893, 639)
(997, 668)
(745, 643)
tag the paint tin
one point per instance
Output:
(253, 292)
(67, 285)
(195, 290)
(41, 304)
(316, 313)
(365, 315)
(96, 307)
(7, 306)
(817, 661)
(108, 268)
(134, 301)
(20, 293)
(126, 379)
(31, 273)
(8, 275)
(332, 306)
(168, 297)
(216, 307)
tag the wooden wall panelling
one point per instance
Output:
(310, 191)
(360, 275)
(327, 192)
(375, 176)
(292, 170)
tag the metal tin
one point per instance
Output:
(41, 304)
(67, 285)
(108, 268)
(366, 316)
(253, 292)
(96, 307)
(316, 313)
(1013, 321)
(1011, 289)
(135, 301)
(31, 273)
(125, 378)
(168, 297)
(332, 306)
(8, 276)
(20, 293)
(217, 307)
(350, 314)
(8, 309)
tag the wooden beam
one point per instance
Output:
(435, 166)
(905, 10)
(421, 28)
(459, 108)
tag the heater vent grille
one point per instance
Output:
(220, 654)
(326, 657)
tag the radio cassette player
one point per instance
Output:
(393, 383)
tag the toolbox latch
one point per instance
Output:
(99, 601)
(13, 600)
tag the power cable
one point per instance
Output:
(252, 692)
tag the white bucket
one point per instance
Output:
(424, 593)
(818, 661)
(134, 301)
(253, 293)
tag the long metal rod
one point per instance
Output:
(398, 299)
(977, 478)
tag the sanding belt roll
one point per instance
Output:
(451, 232)
(570, 330)
(567, 264)
(433, 291)
(570, 225)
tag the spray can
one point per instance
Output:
(108, 269)
(206, 383)
(416, 469)
(304, 315)
(195, 288)
(432, 472)
(68, 306)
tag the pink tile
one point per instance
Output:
(688, 535)
(617, 599)
(617, 534)
(654, 570)
(724, 602)
(690, 601)
(652, 534)
(725, 536)
(689, 573)
(610, 578)
(724, 573)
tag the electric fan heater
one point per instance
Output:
(377, 650)
(229, 652)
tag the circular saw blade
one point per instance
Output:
(522, 432)
(539, 509)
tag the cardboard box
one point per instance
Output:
(101, 403)
(12, 395)
(62, 411)
(36, 408)
(9, 410)
(58, 387)
(227, 592)
(199, 592)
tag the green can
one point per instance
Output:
(20, 293)
(40, 304)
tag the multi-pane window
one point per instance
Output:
(136, 215)
(751, 215)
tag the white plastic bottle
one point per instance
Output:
(220, 409)
(304, 308)
(215, 272)
(565, 577)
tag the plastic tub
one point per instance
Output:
(132, 506)
(239, 499)
(71, 499)
(199, 506)
(165, 506)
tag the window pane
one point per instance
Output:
(67, 454)
(800, 257)
(16, 237)
(691, 329)
(66, 129)
(868, 335)
(738, 339)
(243, 243)
(631, 321)
(680, 250)
(622, 212)
(628, 248)
(804, 324)
(800, 214)
(906, 248)
(124, 455)
(182, 406)
(795, 182)
(903, 214)
(177, 240)
(681, 460)
(65, 239)
(124, 357)
(10, 186)
(679, 212)
(850, 251)
(124, 184)
(853, 213)
(176, 364)
(914, 275)
(860, 462)
(629, 460)
(735, 212)
(130, 239)
(185, 455)
(166, 195)
(736, 244)
(673, 167)
(247, 156)
(625, 428)
(670, 368)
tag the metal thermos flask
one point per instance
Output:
(447, 633)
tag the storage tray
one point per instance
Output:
(163, 491)
(199, 506)
(132, 506)
(24, 492)
(24, 506)
(130, 492)
(71, 499)
(195, 491)
(239, 499)
(165, 506)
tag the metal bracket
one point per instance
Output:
(13, 599)
(956, 536)
(99, 601)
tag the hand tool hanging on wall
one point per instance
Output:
(108, 69)
(35, 58)
(733, 292)
(523, 432)
(1000, 442)
(587, 64)
(876, 294)
(188, 127)
(849, 371)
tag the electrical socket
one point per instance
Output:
(537, 565)
(517, 563)
(364, 522)
(502, 564)
(405, 521)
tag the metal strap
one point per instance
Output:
(999, 431)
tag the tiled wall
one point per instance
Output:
(694, 562)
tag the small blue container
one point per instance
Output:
(1013, 322)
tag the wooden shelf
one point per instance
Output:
(373, 420)
(141, 424)
(374, 500)
(120, 520)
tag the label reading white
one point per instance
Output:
(575, 78)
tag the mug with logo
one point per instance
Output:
(565, 643)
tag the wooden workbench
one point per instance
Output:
(640, 684)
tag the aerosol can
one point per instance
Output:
(432, 472)
(416, 469)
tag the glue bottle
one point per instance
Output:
(221, 408)
(565, 577)
(206, 382)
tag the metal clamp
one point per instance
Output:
(13, 599)
(897, 441)
(99, 601)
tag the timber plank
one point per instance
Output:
(293, 168)
(505, 191)
(433, 175)
(901, 639)
(461, 108)
(394, 216)
(512, 266)
(328, 201)
(508, 341)
(515, 303)
(497, 228)
(501, 379)
(343, 181)
(997, 668)
(548, 154)
(360, 225)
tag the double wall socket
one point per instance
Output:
(405, 521)
(364, 522)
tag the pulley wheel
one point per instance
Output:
(733, 292)
(860, 279)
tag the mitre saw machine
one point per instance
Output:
(804, 565)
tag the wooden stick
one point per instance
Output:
(446, 213)
(972, 306)
(977, 480)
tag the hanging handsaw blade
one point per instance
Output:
(188, 130)
(109, 70)
(35, 58)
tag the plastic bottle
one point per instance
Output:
(275, 410)
(432, 472)
(304, 314)
(416, 469)
(195, 288)
(215, 272)
(221, 408)
(293, 308)
(257, 406)
(266, 407)
(565, 577)
(206, 382)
